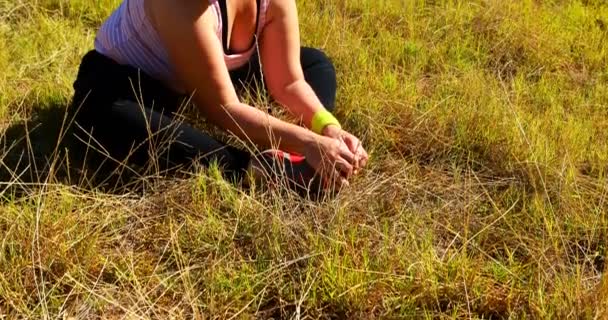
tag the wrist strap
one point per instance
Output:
(322, 119)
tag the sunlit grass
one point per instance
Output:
(486, 197)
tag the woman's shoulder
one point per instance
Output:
(202, 10)
(278, 8)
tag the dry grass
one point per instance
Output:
(486, 197)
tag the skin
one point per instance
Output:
(187, 29)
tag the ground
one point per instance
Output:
(486, 195)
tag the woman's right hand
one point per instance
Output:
(331, 158)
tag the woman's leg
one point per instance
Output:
(320, 74)
(134, 128)
(127, 133)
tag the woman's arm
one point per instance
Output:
(280, 54)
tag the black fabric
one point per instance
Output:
(127, 118)
(224, 13)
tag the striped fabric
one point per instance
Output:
(129, 38)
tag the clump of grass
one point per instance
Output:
(486, 196)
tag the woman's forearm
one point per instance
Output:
(300, 99)
(260, 128)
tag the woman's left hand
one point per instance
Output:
(353, 143)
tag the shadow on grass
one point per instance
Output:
(45, 150)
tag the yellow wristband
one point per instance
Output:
(322, 119)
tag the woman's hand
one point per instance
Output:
(332, 158)
(352, 143)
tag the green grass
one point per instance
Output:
(486, 197)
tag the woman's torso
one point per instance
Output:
(129, 37)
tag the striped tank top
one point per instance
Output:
(129, 38)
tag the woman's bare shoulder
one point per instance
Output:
(194, 10)
(280, 8)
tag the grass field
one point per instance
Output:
(486, 196)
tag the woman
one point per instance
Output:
(152, 54)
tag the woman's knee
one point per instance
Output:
(312, 57)
(320, 74)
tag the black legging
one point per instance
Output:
(127, 117)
